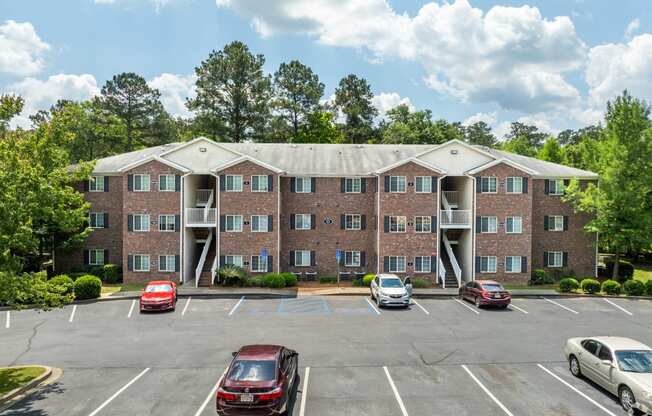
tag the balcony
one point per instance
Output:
(201, 217)
(454, 218)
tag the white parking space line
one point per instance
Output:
(117, 393)
(236, 306)
(72, 314)
(422, 308)
(466, 306)
(486, 390)
(618, 306)
(560, 305)
(512, 306)
(185, 308)
(372, 306)
(133, 304)
(598, 405)
(211, 394)
(304, 392)
(8, 322)
(395, 390)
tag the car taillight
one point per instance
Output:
(225, 395)
(272, 395)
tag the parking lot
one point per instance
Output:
(440, 356)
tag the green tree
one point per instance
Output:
(10, 107)
(233, 94)
(622, 205)
(320, 128)
(297, 93)
(582, 147)
(479, 133)
(353, 98)
(551, 151)
(417, 127)
(519, 145)
(528, 134)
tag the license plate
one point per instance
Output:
(247, 397)
(497, 296)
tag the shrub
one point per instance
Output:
(611, 287)
(76, 275)
(625, 270)
(31, 289)
(568, 284)
(231, 275)
(111, 273)
(274, 280)
(420, 283)
(357, 282)
(634, 288)
(64, 283)
(540, 277)
(648, 287)
(327, 279)
(590, 285)
(290, 279)
(255, 281)
(88, 287)
(368, 278)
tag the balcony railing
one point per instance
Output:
(202, 197)
(198, 217)
(455, 218)
(452, 197)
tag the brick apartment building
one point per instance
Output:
(450, 213)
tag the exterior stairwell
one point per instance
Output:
(206, 275)
(450, 279)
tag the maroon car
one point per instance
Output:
(485, 292)
(259, 381)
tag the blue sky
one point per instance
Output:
(553, 63)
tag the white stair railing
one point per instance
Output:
(200, 217)
(447, 208)
(207, 208)
(202, 196)
(451, 257)
(202, 258)
(214, 269)
(442, 273)
(451, 197)
(455, 218)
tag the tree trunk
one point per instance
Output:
(616, 270)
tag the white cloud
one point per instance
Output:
(632, 28)
(174, 91)
(40, 95)
(489, 118)
(158, 4)
(385, 101)
(21, 49)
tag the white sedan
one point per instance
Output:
(389, 290)
(620, 365)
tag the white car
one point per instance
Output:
(390, 290)
(620, 365)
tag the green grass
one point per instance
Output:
(12, 378)
(642, 272)
(528, 287)
(108, 289)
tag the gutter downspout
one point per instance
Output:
(472, 219)
(439, 230)
(182, 231)
(377, 223)
(278, 225)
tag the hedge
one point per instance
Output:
(590, 285)
(327, 279)
(648, 287)
(274, 280)
(368, 278)
(420, 283)
(540, 277)
(290, 279)
(31, 289)
(64, 282)
(634, 288)
(611, 287)
(232, 275)
(88, 287)
(568, 284)
(111, 273)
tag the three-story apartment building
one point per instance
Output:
(451, 212)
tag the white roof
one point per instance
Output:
(620, 343)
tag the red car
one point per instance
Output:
(159, 295)
(259, 381)
(485, 292)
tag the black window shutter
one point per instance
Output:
(270, 183)
(313, 221)
(478, 185)
(130, 263)
(87, 257)
(106, 184)
(565, 222)
(546, 223)
(292, 221)
(433, 186)
(477, 264)
(270, 223)
(177, 183)
(363, 259)
(293, 184)
(222, 223)
(222, 182)
(177, 259)
(523, 264)
(565, 264)
(546, 186)
(312, 258)
(291, 257)
(545, 259)
(433, 224)
(478, 224)
(386, 184)
(363, 185)
(270, 263)
(433, 264)
(222, 260)
(313, 185)
(130, 222)
(386, 223)
(342, 222)
(130, 183)
(525, 185)
(177, 223)
(106, 220)
(417, 263)
(86, 185)
(363, 222)
(343, 185)
(386, 264)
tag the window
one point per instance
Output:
(96, 184)
(259, 223)
(352, 259)
(604, 353)
(514, 225)
(353, 222)
(258, 264)
(513, 264)
(166, 222)
(302, 258)
(141, 183)
(167, 183)
(141, 222)
(234, 223)
(488, 225)
(555, 259)
(556, 187)
(397, 264)
(233, 261)
(422, 264)
(591, 346)
(488, 185)
(353, 185)
(422, 224)
(423, 184)
(556, 223)
(303, 184)
(514, 185)
(141, 262)
(259, 183)
(488, 264)
(397, 184)
(302, 222)
(167, 263)
(397, 224)
(96, 257)
(233, 183)
(96, 220)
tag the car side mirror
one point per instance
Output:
(607, 362)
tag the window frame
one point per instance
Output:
(141, 216)
(519, 263)
(167, 263)
(258, 178)
(399, 179)
(554, 219)
(258, 217)
(303, 256)
(489, 180)
(416, 223)
(303, 216)
(93, 183)
(96, 251)
(233, 216)
(258, 258)
(396, 264)
(96, 215)
(553, 255)
(488, 218)
(488, 258)
(233, 183)
(232, 263)
(303, 180)
(352, 223)
(141, 180)
(167, 217)
(397, 221)
(558, 189)
(428, 269)
(513, 180)
(141, 256)
(425, 180)
(351, 255)
(167, 176)
(520, 222)
(352, 182)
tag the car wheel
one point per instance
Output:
(627, 400)
(574, 366)
(477, 302)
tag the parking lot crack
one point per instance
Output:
(444, 358)
(29, 342)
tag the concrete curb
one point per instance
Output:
(19, 393)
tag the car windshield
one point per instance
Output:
(492, 287)
(391, 283)
(252, 370)
(635, 361)
(158, 288)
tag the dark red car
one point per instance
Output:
(485, 292)
(259, 381)
(159, 295)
